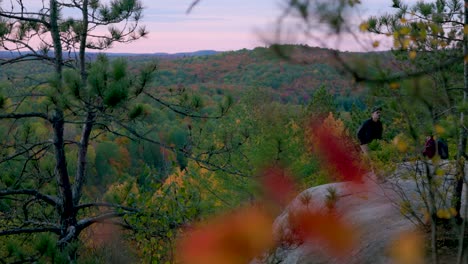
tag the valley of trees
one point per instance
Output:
(109, 159)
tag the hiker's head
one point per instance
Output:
(376, 111)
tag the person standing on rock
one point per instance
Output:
(371, 129)
(429, 147)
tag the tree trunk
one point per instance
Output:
(460, 173)
(55, 34)
(66, 208)
(67, 211)
(82, 154)
(433, 212)
(83, 37)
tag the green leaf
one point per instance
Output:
(136, 111)
(115, 95)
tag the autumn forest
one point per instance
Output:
(144, 158)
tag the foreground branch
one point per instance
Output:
(17, 231)
(24, 115)
(84, 223)
(46, 198)
(108, 205)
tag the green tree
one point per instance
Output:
(55, 122)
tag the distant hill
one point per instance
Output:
(214, 73)
(12, 54)
(292, 80)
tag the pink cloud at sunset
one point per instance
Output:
(232, 25)
(225, 25)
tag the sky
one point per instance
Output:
(225, 25)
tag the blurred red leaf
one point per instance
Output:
(278, 185)
(326, 228)
(230, 239)
(337, 153)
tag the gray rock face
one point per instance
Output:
(372, 210)
(375, 211)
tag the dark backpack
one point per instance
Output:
(443, 149)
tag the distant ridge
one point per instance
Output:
(238, 71)
(12, 54)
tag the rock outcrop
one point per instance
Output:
(375, 210)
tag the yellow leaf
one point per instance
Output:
(439, 172)
(203, 171)
(400, 143)
(408, 249)
(375, 44)
(466, 58)
(394, 85)
(439, 129)
(465, 29)
(364, 26)
(405, 31)
(406, 43)
(412, 54)
(403, 20)
(443, 213)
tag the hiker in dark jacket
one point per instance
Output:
(429, 147)
(371, 129)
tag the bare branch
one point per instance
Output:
(46, 198)
(27, 57)
(26, 150)
(194, 3)
(82, 224)
(108, 205)
(174, 109)
(24, 115)
(17, 231)
(21, 17)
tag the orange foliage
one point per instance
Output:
(230, 239)
(122, 141)
(123, 160)
(408, 248)
(176, 178)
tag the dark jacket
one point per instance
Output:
(369, 131)
(430, 148)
